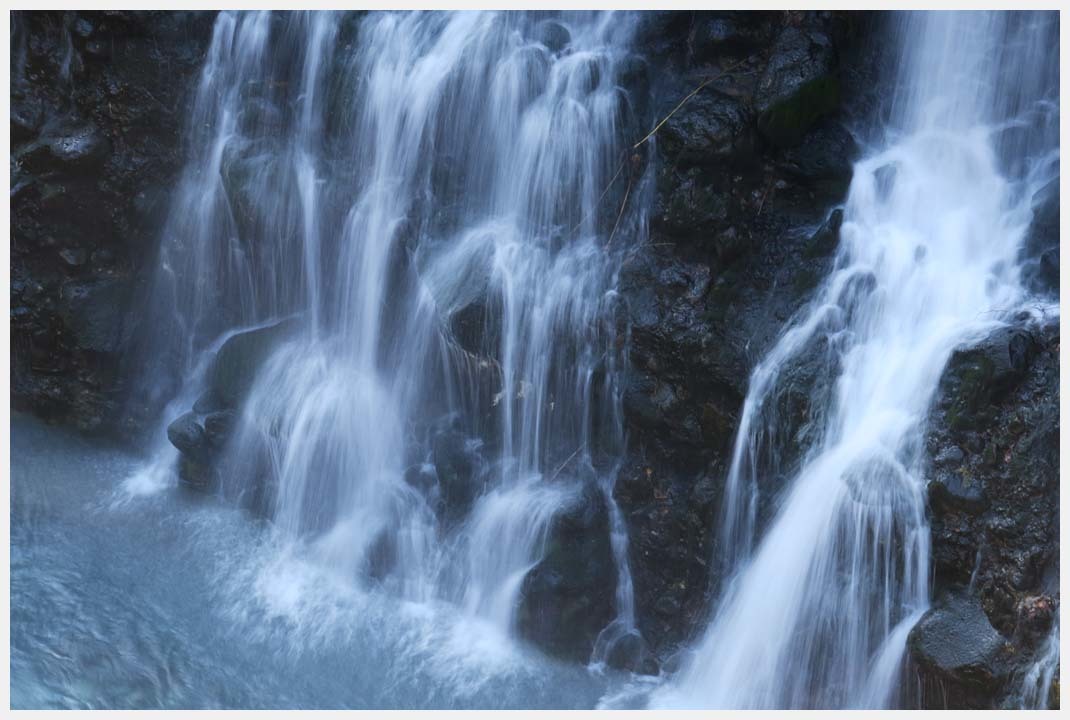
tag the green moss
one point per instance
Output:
(806, 280)
(787, 122)
(974, 379)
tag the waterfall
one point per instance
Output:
(428, 197)
(824, 591)
(1037, 680)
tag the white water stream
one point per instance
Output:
(818, 613)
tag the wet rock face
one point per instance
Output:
(670, 544)
(568, 597)
(96, 102)
(743, 226)
(994, 495)
(957, 648)
(458, 472)
(1040, 255)
(747, 173)
(202, 434)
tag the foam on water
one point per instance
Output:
(817, 611)
(395, 180)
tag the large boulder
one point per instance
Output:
(1040, 252)
(798, 87)
(993, 449)
(711, 127)
(670, 513)
(187, 434)
(234, 369)
(202, 434)
(742, 230)
(961, 656)
(568, 597)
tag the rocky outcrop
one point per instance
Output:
(963, 658)
(568, 597)
(96, 107)
(202, 433)
(1040, 254)
(993, 445)
(745, 177)
(748, 172)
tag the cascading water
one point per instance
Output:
(818, 613)
(386, 181)
(1037, 679)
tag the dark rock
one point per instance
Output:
(668, 607)
(86, 140)
(798, 86)
(633, 74)
(98, 49)
(719, 34)
(474, 328)
(27, 116)
(568, 597)
(382, 556)
(994, 497)
(66, 148)
(662, 33)
(75, 257)
(709, 128)
(692, 207)
(1035, 615)
(82, 27)
(629, 652)
(195, 473)
(669, 514)
(1040, 251)
(980, 376)
(825, 161)
(955, 488)
(94, 313)
(219, 426)
(230, 377)
(823, 243)
(741, 235)
(553, 35)
(949, 457)
(188, 435)
(207, 403)
(233, 371)
(82, 147)
(422, 477)
(956, 645)
(458, 469)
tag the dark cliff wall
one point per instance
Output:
(97, 103)
(748, 173)
(993, 442)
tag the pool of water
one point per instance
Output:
(176, 600)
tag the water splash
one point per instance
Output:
(1038, 678)
(426, 191)
(820, 605)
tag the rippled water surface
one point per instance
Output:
(178, 601)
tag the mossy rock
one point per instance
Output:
(786, 123)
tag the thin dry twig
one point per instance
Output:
(567, 461)
(690, 95)
(624, 160)
(620, 214)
